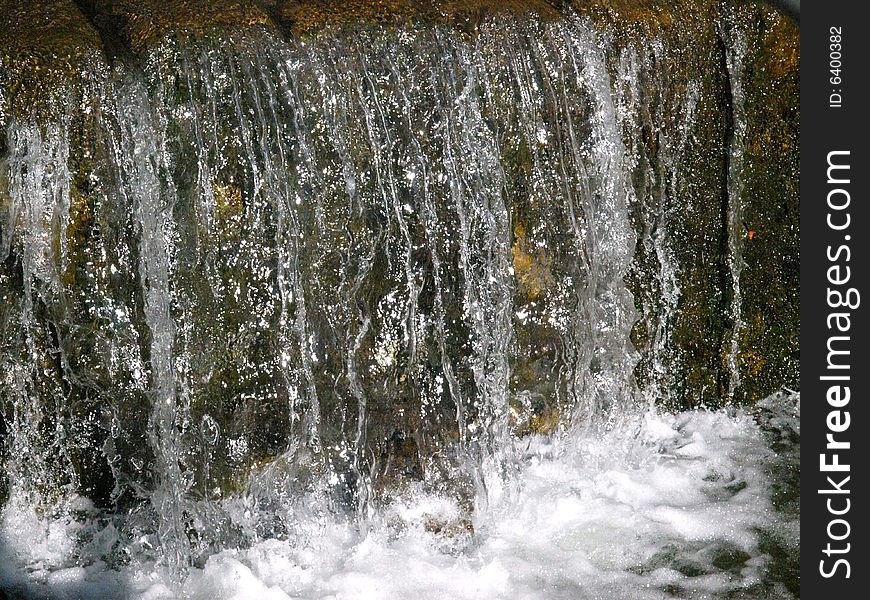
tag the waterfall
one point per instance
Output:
(35, 225)
(252, 285)
(737, 230)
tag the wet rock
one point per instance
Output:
(696, 221)
(679, 278)
(417, 400)
(768, 336)
(134, 25)
(532, 267)
(44, 45)
(308, 16)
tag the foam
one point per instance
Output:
(663, 505)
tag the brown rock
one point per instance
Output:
(43, 44)
(137, 24)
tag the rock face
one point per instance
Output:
(134, 25)
(285, 237)
(43, 45)
(767, 337)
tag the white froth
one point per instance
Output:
(667, 504)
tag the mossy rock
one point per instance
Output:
(629, 19)
(45, 45)
(136, 25)
(769, 340)
(37, 67)
(308, 16)
(637, 16)
(691, 365)
(680, 218)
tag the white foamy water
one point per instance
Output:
(664, 505)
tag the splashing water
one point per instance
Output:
(333, 318)
(681, 505)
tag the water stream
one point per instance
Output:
(348, 317)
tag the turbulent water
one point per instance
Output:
(668, 506)
(348, 318)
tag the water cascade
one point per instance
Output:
(271, 304)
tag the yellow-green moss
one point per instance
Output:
(228, 209)
(44, 45)
(306, 16)
(532, 266)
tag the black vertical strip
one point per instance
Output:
(835, 228)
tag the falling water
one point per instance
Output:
(737, 232)
(291, 282)
(37, 208)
